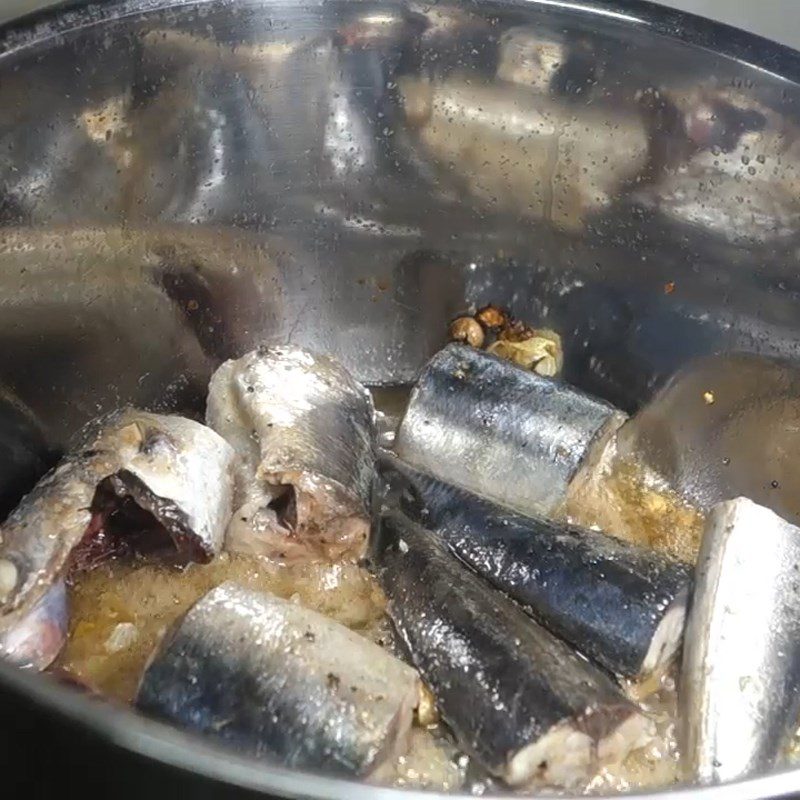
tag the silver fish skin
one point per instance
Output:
(501, 432)
(519, 700)
(740, 681)
(134, 482)
(622, 605)
(281, 682)
(304, 431)
(35, 642)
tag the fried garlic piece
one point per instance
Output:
(540, 352)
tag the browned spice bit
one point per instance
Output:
(193, 305)
(516, 331)
(492, 318)
(669, 287)
(333, 680)
(466, 329)
(427, 713)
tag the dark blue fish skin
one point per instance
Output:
(604, 596)
(503, 683)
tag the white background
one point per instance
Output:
(775, 19)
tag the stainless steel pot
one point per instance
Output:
(182, 180)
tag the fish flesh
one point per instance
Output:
(175, 477)
(279, 681)
(507, 434)
(304, 431)
(622, 605)
(739, 694)
(135, 482)
(518, 699)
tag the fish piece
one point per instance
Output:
(485, 425)
(36, 640)
(740, 682)
(280, 681)
(175, 477)
(620, 604)
(518, 699)
(135, 483)
(304, 431)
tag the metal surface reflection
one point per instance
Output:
(741, 177)
(524, 154)
(181, 181)
(350, 175)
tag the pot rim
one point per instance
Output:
(49, 19)
(191, 753)
(163, 743)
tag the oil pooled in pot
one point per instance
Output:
(623, 499)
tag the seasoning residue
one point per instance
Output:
(623, 499)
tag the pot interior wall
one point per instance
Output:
(180, 184)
